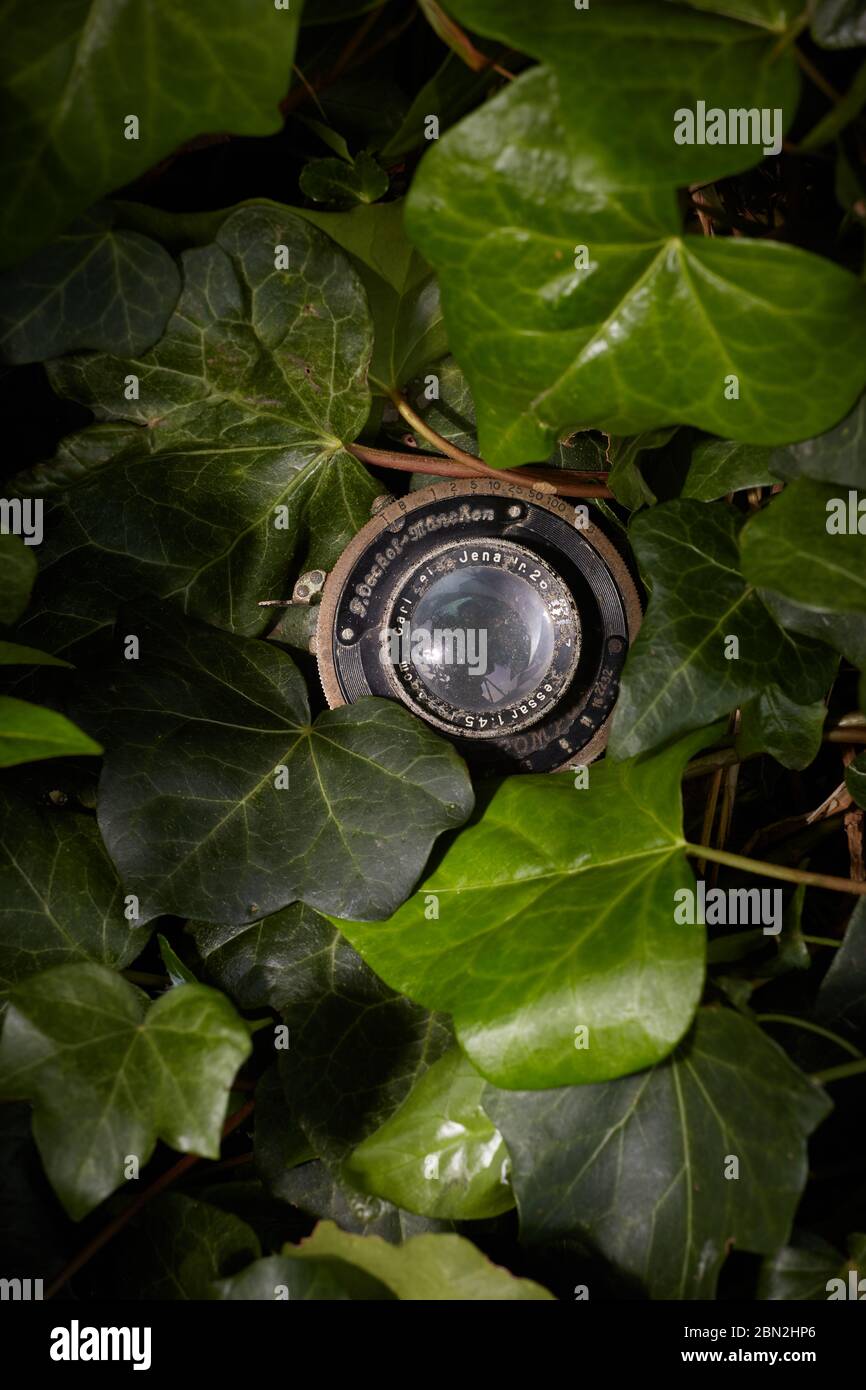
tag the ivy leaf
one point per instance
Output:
(635, 1169)
(274, 1276)
(452, 89)
(720, 466)
(855, 779)
(60, 899)
(844, 632)
(220, 800)
(502, 205)
(688, 57)
(678, 674)
(29, 733)
(14, 654)
(555, 947)
(361, 180)
(94, 287)
(180, 1248)
(841, 1000)
(834, 457)
(790, 732)
(18, 568)
(625, 479)
(70, 88)
(241, 410)
(439, 1154)
(109, 1075)
(363, 1044)
(771, 14)
(787, 547)
(430, 1268)
(803, 1271)
(402, 291)
(839, 23)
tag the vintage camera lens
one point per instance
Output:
(497, 614)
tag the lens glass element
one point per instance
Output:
(481, 638)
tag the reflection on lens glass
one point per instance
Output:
(481, 638)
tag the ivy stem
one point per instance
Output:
(811, 1028)
(821, 941)
(548, 480)
(839, 1073)
(117, 1224)
(782, 871)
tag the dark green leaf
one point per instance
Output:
(635, 1169)
(855, 779)
(678, 673)
(354, 1047)
(14, 654)
(73, 80)
(180, 1248)
(109, 1075)
(335, 181)
(94, 287)
(790, 732)
(788, 547)
(841, 999)
(840, 23)
(803, 1271)
(275, 1277)
(547, 927)
(220, 800)
(18, 568)
(720, 466)
(834, 457)
(60, 900)
(242, 410)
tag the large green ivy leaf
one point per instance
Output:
(499, 207)
(29, 733)
(94, 287)
(439, 1154)
(402, 291)
(241, 410)
(636, 1169)
(73, 75)
(18, 568)
(617, 56)
(678, 673)
(60, 900)
(429, 1268)
(109, 1075)
(220, 800)
(555, 947)
(788, 547)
